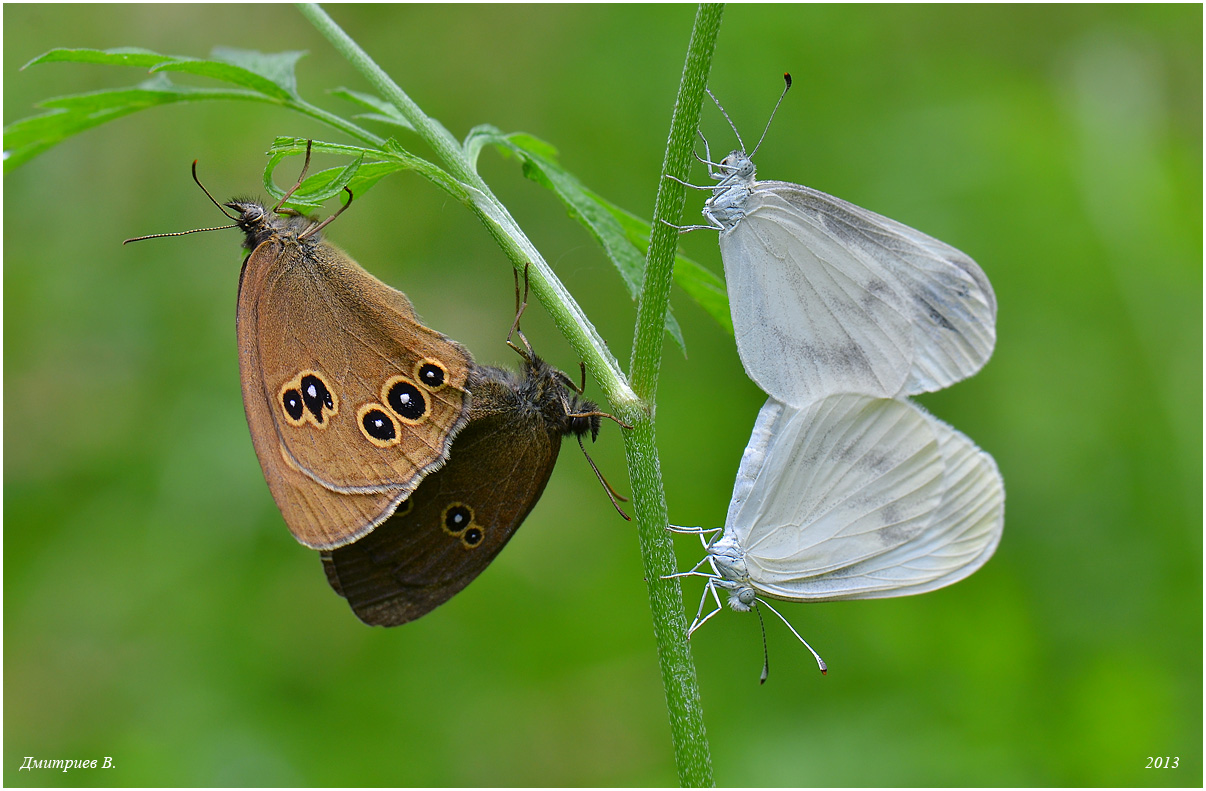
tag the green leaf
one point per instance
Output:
(429, 171)
(325, 184)
(260, 77)
(70, 115)
(535, 155)
(271, 74)
(29, 137)
(121, 56)
(481, 136)
(381, 110)
(157, 90)
(369, 167)
(619, 231)
(584, 208)
(701, 284)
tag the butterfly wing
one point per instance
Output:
(767, 432)
(828, 297)
(319, 518)
(841, 481)
(856, 497)
(458, 519)
(960, 538)
(328, 353)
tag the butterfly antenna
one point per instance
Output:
(177, 233)
(765, 652)
(212, 200)
(611, 493)
(732, 125)
(786, 88)
(820, 662)
(221, 208)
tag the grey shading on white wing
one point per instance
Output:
(828, 297)
(856, 498)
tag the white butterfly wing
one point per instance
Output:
(858, 498)
(840, 482)
(767, 429)
(810, 319)
(961, 537)
(828, 297)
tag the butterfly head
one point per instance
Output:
(582, 419)
(737, 166)
(557, 397)
(258, 224)
(741, 598)
(726, 207)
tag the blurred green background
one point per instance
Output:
(156, 609)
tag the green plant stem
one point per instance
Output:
(556, 299)
(691, 752)
(692, 756)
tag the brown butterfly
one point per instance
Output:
(461, 516)
(350, 399)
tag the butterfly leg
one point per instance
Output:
(520, 307)
(580, 389)
(313, 229)
(300, 178)
(608, 415)
(692, 572)
(689, 184)
(692, 531)
(695, 572)
(707, 157)
(700, 618)
(714, 225)
(611, 493)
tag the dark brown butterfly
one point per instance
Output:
(462, 515)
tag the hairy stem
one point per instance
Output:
(691, 752)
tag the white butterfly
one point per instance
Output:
(852, 497)
(828, 297)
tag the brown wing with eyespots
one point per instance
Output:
(460, 518)
(350, 399)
